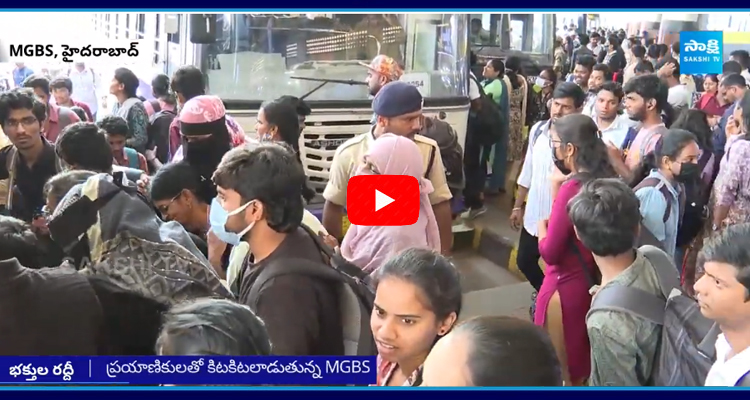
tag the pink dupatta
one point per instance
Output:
(370, 246)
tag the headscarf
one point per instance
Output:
(370, 246)
(205, 115)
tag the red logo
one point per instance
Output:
(382, 200)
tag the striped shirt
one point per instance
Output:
(535, 174)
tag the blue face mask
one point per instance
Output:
(218, 216)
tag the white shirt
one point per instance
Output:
(473, 88)
(746, 75)
(596, 50)
(589, 107)
(85, 87)
(679, 96)
(727, 372)
(616, 132)
(535, 174)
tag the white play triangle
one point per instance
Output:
(381, 200)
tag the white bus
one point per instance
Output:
(251, 58)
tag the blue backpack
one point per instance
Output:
(133, 159)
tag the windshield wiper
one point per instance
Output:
(325, 81)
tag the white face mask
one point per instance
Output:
(540, 82)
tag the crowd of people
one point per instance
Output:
(162, 228)
(624, 152)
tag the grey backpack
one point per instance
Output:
(686, 349)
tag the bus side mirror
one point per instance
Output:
(203, 28)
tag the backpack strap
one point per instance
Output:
(629, 138)
(538, 131)
(586, 271)
(301, 266)
(656, 183)
(430, 162)
(707, 346)
(704, 159)
(355, 319)
(155, 105)
(744, 381)
(638, 302)
(647, 142)
(479, 86)
(11, 161)
(665, 269)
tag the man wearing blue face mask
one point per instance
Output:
(260, 203)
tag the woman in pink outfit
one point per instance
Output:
(564, 299)
(369, 246)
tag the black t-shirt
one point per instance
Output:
(28, 190)
(301, 313)
(130, 322)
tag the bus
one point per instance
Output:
(645, 23)
(251, 58)
(528, 36)
(674, 23)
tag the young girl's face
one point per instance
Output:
(402, 323)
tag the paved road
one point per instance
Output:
(490, 289)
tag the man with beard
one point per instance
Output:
(381, 71)
(645, 101)
(600, 73)
(398, 106)
(534, 181)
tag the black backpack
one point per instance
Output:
(158, 133)
(487, 123)
(356, 297)
(451, 152)
(686, 349)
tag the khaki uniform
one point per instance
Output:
(349, 156)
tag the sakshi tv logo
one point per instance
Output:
(701, 52)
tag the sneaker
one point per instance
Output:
(475, 212)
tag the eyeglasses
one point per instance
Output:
(164, 209)
(26, 122)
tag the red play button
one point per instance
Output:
(382, 200)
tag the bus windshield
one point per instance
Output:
(258, 57)
(530, 33)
